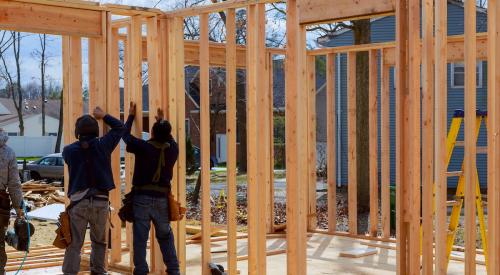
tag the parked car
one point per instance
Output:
(48, 167)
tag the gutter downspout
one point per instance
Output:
(339, 124)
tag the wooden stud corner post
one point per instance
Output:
(427, 136)
(373, 140)
(231, 141)
(312, 219)
(113, 108)
(493, 138)
(72, 91)
(440, 134)
(296, 173)
(351, 144)
(470, 137)
(331, 143)
(205, 144)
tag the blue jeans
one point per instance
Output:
(149, 209)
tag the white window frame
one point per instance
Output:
(479, 83)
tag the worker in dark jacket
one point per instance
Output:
(154, 162)
(90, 180)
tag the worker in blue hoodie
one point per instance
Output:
(154, 162)
(90, 180)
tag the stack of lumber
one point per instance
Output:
(41, 193)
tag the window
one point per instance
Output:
(49, 161)
(458, 75)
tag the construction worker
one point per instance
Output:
(90, 180)
(10, 190)
(154, 162)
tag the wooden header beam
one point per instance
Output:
(41, 18)
(217, 7)
(455, 50)
(319, 11)
(217, 53)
(95, 6)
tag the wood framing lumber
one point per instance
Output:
(295, 154)
(113, 108)
(413, 141)
(385, 145)
(401, 76)
(455, 51)
(331, 142)
(155, 102)
(129, 161)
(270, 124)
(317, 11)
(134, 66)
(373, 140)
(41, 18)
(181, 137)
(493, 138)
(427, 136)
(359, 236)
(205, 143)
(254, 182)
(217, 53)
(440, 134)
(172, 104)
(352, 188)
(72, 97)
(312, 219)
(217, 7)
(97, 59)
(95, 6)
(470, 138)
(358, 252)
(268, 253)
(262, 146)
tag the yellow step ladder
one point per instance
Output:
(457, 203)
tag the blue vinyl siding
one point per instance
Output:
(383, 30)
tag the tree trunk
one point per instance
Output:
(61, 122)
(241, 117)
(362, 35)
(196, 192)
(42, 72)
(17, 57)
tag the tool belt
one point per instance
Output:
(63, 231)
(126, 212)
(4, 208)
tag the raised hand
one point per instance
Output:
(159, 115)
(98, 113)
(132, 109)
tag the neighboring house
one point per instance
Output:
(217, 88)
(32, 116)
(382, 30)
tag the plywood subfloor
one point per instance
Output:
(323, 258)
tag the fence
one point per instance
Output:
(32, 146)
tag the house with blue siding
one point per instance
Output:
(383, 30)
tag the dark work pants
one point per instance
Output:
(149, 209)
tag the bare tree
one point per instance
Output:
(14, 81)
(43, 58)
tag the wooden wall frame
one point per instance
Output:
(166, 53)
